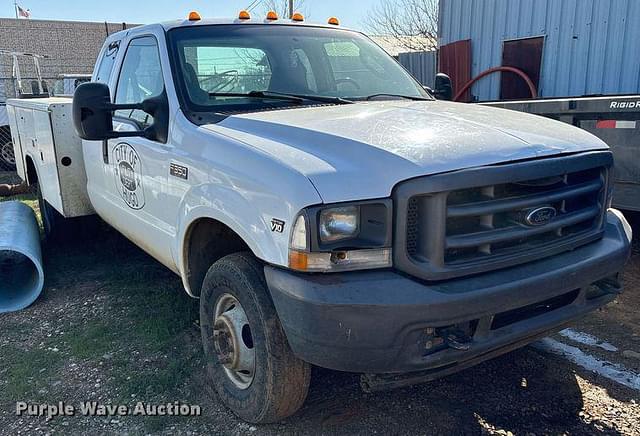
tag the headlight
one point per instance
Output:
(342, 238)
(339, 223)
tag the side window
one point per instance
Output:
(107, 61)
(140, 78)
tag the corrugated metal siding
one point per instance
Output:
(591, 46)
(421, 64)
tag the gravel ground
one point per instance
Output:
(113, 326)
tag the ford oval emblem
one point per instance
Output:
(540, 216)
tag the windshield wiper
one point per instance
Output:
(319, 98)
(272, 95)
(260, 95)
(407, 97)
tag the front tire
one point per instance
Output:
(249, 360)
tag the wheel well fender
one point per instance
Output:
(206, 240)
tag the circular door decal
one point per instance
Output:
(128, 172)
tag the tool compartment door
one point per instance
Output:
(45, 160)
(69, 161)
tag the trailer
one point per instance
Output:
(614, 119)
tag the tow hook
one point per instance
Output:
(457, 340)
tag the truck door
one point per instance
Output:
(135, 170)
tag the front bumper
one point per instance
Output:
(382, 321)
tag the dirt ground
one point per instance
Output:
(114, 326)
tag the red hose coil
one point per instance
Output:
(517, 71)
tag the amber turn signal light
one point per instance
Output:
(298, 260)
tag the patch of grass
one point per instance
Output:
(92, 340)
(162, 317)
(136, 328)
(158, 379)
(29, 371)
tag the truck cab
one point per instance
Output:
(327, 210)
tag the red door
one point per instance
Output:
(526, 55)
(455, 61)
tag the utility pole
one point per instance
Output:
(290, 8)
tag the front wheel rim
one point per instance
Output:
(233, 341)
(6, 153)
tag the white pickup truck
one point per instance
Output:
(324, 207)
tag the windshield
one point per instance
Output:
(217, 67)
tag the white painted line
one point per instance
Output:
(612, 371)
(587, 339)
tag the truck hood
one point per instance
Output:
(363, 150)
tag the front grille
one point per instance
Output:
(481, 223)
(488, 221)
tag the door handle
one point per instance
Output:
(105, 151)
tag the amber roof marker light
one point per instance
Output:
(244, 15)
(333, 21)
(194, 16)
(297, 17)
(272, 15)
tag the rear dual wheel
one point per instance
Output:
(249, 361)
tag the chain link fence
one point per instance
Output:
(7, 157)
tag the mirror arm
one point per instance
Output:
(117, 107)
(126, 134)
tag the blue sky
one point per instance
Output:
(351, 12)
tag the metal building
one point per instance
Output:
(422, 64)
(575, 47)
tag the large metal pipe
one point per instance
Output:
(21, 273)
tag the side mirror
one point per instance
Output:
(93, 114)
(443, 88)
